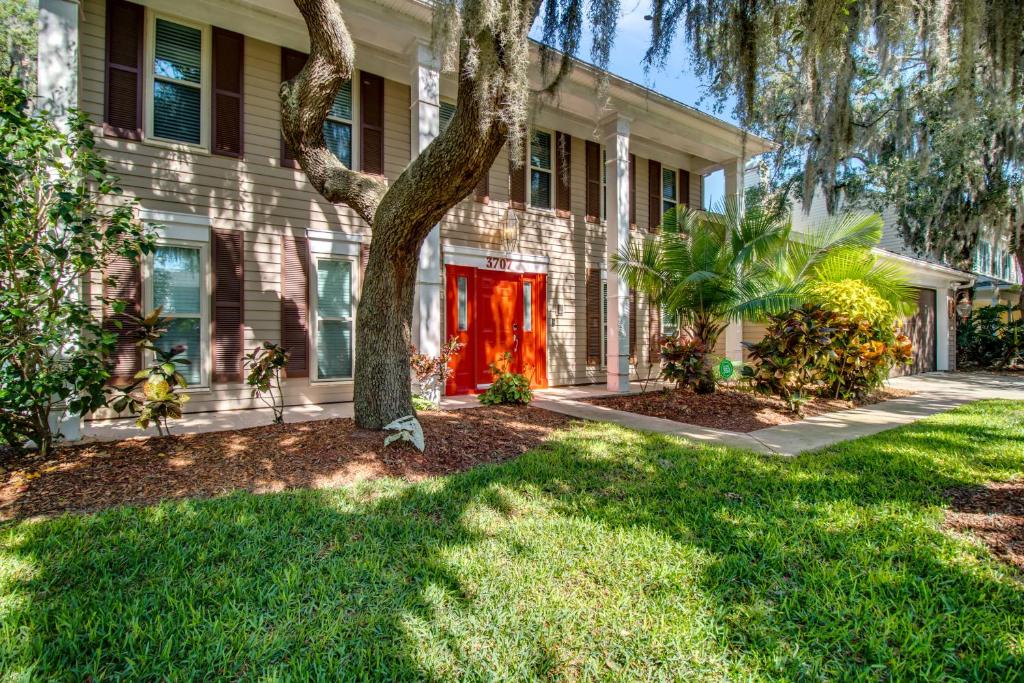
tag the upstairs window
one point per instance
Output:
(177, 106)
(669, 196)
(540, 170)
(338, 125)
(984, 260)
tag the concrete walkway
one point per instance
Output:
(935, 393)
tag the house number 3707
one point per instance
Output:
(498, 263)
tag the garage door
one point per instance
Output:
(921, 329)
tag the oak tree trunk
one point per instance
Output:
(383, 334)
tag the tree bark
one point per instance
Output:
(402, 215)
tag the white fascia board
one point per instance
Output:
(926, 272)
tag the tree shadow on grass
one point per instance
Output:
(602, 554)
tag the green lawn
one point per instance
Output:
(606, 554)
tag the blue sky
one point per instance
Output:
(676, 80)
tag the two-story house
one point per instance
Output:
(183, 94)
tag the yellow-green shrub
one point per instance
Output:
(855, 300)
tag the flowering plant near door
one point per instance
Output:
(432, 372)
(512, 388)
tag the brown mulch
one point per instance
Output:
(731, 409)
(322, 454)
(994, 513)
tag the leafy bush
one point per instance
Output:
(788, 361)
(685, 362)
(61, 218)
(265, 364)
(432, 372)
(154, 396)
(508, 387)
(814, 350)
(855, 300)
(992, 337)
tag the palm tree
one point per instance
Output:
(707, 269)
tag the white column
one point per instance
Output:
(57, 86)
(616, 141)
(58, 57)
(425, 119)
(945, 300)
(734, 181)
(734, 192)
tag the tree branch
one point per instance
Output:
(306, 100)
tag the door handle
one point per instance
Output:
(515, 342)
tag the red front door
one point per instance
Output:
(494, 313)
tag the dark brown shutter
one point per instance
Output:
(228, 62)
(292, 62)
(122, 112)
(563, 174)
(654, 193)
(684, 188)
(364, 259)
(126, 285)
(228, 257)
(594, 317)
(632, 190)
(593, 181)
(295, 304)
(653, 332)
(371, 123)
(517, 182)
(483, 188)
(632, 326)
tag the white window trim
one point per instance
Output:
(326, 249)
(604, 184)
(205, 82)
(550, 171)
(205, 287)
(356, 159)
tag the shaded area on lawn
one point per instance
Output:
(994, 513)
(732, 409)
(320, 454)
(603, 553)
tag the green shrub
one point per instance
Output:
(62, 218)
(264, 365)
(686, 362)
(788, 361)
(814, 350)
(508, 387)
(853, 299)
(990, 338)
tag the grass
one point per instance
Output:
(605, 554)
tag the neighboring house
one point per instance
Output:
(184, 96)
(933, 328)
(998, 279)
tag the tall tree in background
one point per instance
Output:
(913, 105)
(485, 44)
(18, 40)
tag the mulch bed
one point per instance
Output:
(321, 454)
(731, 409)
(994, 513)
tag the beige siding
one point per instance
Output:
(254, 194)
